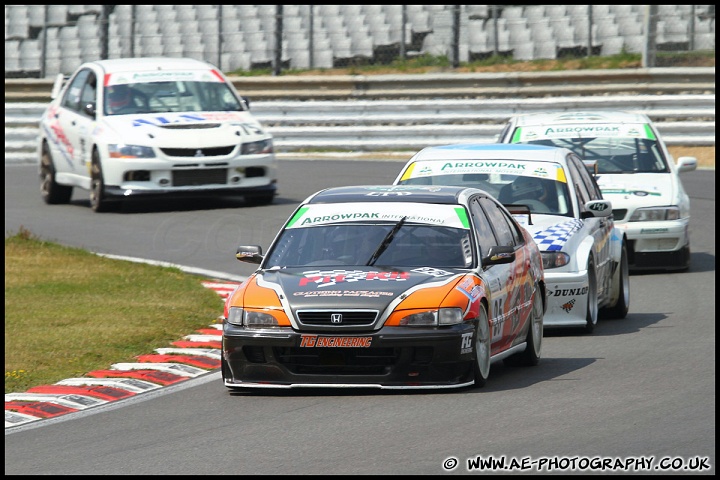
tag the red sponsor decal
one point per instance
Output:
(334, 342)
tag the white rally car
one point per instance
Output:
(139, 127)
(634, 170)
(584, 254)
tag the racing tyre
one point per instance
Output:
(531, 355)
(98, 201)
(481, 352)
(622, 305)
(52, 192)
(591, 316)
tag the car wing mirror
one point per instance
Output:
(597, 208)
(686, 164)
(246, 101)
(499, 254)
(89, 109)
(249, 254)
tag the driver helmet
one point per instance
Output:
(118, 96)
(527, 187)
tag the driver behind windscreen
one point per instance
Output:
(119, 97)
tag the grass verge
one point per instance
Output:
(69, 311)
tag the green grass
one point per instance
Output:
(427, 63)
(69, 311)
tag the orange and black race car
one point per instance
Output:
(386, 287)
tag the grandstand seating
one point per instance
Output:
(338, 34)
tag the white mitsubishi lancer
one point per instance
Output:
(152, 127)
(634, 170)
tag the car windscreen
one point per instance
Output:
(615, 155)
(540, 182)
(353, 244)
(178, 96)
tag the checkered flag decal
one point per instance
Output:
(552, 239)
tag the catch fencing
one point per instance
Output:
(43, 40)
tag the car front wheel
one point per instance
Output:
(622, 305)
(52, 193)
(591, 316)
(98, 201)
(481, 365)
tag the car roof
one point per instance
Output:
(491, 151)
(559, 118)
(144, 64)
(451, 195)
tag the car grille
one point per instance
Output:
(200, 176)
(353, 318)
(619, 214)
(337, 361)
(198, 152)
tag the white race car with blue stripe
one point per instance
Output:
(584, 255)
(634, 170)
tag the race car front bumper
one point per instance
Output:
(393, 357)
(657, 245)
(567, 298)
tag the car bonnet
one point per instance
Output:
(639, 189)
(186, 130)
(373, 288)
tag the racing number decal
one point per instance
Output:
(499, 320)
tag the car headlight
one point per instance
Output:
(241, 317)
(554, 259)
(119, 150)
(432, 318)
(255, 148)
(654, 214)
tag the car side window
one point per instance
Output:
(580, 187)
(496, 216)
(88, 93)
(591, 186)
(74, 91)
(485, 234)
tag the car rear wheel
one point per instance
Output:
(622, 305)
(52, 192)
(531, 355)
(481, 352)
(591, 316)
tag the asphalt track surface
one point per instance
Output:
(638, 389)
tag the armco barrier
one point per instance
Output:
(411, 124)
(386, 112)
(652, 81)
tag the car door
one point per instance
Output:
(508, 293)
(599, 227)
(75, 121)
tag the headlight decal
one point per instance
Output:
(262, 298)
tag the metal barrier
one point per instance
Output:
(651, 81)
(367, 125)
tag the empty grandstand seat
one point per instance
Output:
(12, 57)
(17, 25)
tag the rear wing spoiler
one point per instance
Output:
(60, 80)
